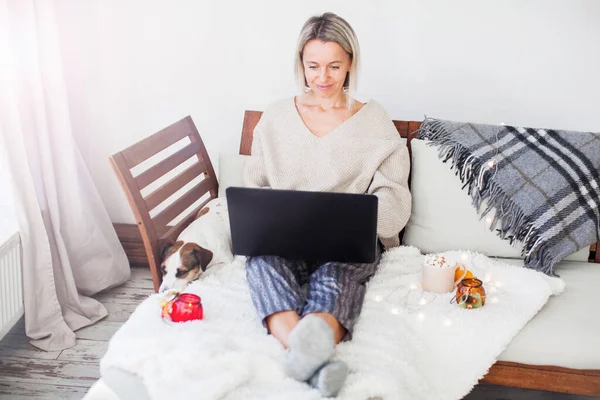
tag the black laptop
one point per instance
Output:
(300, 225)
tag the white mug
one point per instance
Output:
(439, 280)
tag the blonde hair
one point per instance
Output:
(330, 28)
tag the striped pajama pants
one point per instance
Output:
(277, 284)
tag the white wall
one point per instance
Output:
(135, 66)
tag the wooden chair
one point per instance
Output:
(157, 229)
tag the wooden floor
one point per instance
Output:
(29, 373)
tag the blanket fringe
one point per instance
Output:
(510, 222)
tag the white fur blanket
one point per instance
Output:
(407, 343)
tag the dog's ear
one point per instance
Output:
(169, 247)
(204, 256)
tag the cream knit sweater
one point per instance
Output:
(362, 155)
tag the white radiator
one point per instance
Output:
(11, 284)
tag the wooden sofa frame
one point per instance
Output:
(155, 230)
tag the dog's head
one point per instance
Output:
(182, 263)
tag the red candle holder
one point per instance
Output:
(183, 307)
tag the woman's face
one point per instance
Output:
(325, 67)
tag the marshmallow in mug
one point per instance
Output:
(436, 260)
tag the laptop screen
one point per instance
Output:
(302, 225)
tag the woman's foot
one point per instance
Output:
(311, 346)
(330, 378)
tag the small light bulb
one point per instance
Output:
(378, 298)
(413, 286)
(491, 163)
(421, 316)
(395, 311)
(499, 284)
(447, 322)
(489, 220)
(423, 302)
(465, 256)
(494, 299)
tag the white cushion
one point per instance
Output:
(231, 168)
(565, 332)
(442, 216)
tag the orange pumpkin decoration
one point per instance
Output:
(460, 270)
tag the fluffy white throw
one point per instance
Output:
(407, 343)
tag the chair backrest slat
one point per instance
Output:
(401, 127)
(166, 165)
(178, 206)
(171, 234)
(173, 185)
(154, 144)
(251, 118)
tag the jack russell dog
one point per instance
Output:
(204, 243)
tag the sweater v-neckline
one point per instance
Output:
(335, 129)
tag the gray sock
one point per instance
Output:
(330, 378)
(311, 345)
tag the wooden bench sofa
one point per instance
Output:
(156, 227)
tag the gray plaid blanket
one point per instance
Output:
(543, 184)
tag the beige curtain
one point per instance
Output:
(70, 250)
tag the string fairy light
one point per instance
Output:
(488, 278)
(410, 299)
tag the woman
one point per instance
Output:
(324, 140)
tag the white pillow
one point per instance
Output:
(231, 170)
(442, 216)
